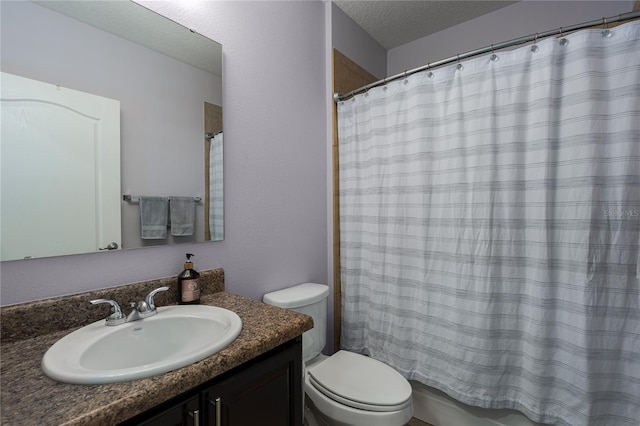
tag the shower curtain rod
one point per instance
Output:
(210, 136)
(514, 42)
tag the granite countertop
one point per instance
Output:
(28, 397)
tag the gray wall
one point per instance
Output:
(275, 121)
(517, 20)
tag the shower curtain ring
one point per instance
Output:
(534, 46)
(429, 73)
(563, 40)
(460, 67)
(605, 31)
(406, 81)
(493, 57)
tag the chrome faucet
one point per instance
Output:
(117, 317)
(142, 309)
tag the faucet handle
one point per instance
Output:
(117, 317)
(149, 299)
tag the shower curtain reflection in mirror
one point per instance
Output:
(214, 173)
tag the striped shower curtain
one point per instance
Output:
(490, 228)
(216, 188)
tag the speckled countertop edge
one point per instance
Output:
(29, 397)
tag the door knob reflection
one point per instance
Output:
(111, 246)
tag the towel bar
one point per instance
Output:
(135, 199)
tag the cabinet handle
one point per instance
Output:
(195, 415)
(217, 405)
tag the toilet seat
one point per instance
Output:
(360, 382)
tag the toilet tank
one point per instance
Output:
(309, 299)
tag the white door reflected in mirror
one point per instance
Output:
(60, 170)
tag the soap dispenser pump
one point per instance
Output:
(188, 285)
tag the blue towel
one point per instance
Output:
(153, 218)
(183, 215)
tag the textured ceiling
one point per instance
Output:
(393, 23)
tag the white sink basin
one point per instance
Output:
(177, 336)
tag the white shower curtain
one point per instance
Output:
(490, 228)
(216, 188)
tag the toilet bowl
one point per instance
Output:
(344, 389)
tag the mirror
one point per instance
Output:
(167, 81)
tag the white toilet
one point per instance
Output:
(345, 389)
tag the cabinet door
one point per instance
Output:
(267, 394)
(186, 413)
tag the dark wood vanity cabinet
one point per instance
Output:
(261, 395)
(265, 391)
(186, 412)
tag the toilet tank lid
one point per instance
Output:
(297, 296)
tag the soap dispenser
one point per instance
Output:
(188, 285)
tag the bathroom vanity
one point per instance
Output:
(258, 376)
(263, 391)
